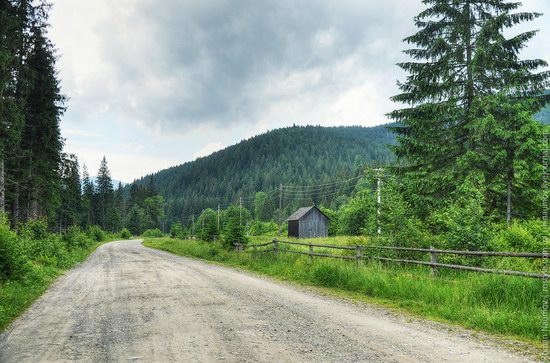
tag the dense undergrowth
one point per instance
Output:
(498, 304)
(32, 258)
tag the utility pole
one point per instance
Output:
(193, 228)
(378, 198)
(241, 211)
(280, 207)
(2, 187)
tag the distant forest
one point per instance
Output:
(298, 155)
(544, 114)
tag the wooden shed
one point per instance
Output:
(308, 222)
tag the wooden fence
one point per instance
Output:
(358, 255)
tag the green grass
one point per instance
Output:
(17, 295)
(502, 305)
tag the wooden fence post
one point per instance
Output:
(358, 254)
(276, 247)
(311, 253)
(254, 251)
(433, 259)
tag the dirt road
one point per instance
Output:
(131, 303)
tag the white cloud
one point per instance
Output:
(208, 149)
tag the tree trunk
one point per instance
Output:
(15, 208)
(509, 201)
(2, 188)
(469, 70)
(509, 184)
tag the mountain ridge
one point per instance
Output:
(296, 155)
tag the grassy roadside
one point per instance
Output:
(502, 305)
(17, 295)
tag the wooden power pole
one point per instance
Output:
(280, 208)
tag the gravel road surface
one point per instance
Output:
(131, 303)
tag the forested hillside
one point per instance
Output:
(544, 114)
(290, 156)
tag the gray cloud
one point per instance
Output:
(180, 63)
(173, 64)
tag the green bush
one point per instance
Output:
(462, 225)
(12, 256)
(125, 234)
(74, 237)
(96, 233)
(34, 230)
(233, 231)
(259, 228)
(152, 233)
(177, 231)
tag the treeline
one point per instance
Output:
(290, 156)
(33, 168)
(113, 210)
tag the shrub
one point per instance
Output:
(74, 237)
(96, 233)
(152, 233)
(125, 233)
(462, 225)
(177, 231)
(34, 230)
(12, 257)
(259, 228)
(233, 231)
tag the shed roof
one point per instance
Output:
(302, 212)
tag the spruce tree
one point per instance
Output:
(70, 209)
(41, 141)
(105, 194)
(87, 199)
(461, 56)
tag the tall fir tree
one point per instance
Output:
(104, 194)
(461, 56)
(70, 209)
(87, 199)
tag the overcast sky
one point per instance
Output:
(156, 83)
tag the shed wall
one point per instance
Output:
(313, 224)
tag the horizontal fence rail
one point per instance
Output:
(433, 263)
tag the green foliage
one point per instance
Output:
(463, 225)
(12, 254)
(152, 233)
(136, 220)
(259, 228)
(453, 124)
(104, 195)
(96, 233)
(74, 237)
(264, 207)
(154, 210)
(207, 225)
(34, 229)
(125, 234)
(177, 231)
(358, 216)
(233, 229)
(333, 226)
(291, 156)
(519, 237)
(398, 220)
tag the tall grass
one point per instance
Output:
(497, 304)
